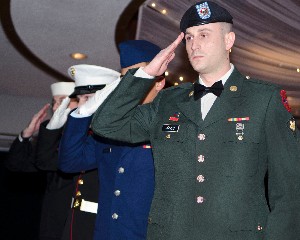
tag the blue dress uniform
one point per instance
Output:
(126, 176)
(210, 174)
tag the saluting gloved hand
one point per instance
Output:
(92, 104)
(60, 116)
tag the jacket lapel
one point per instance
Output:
(229, 100)
(191, 108)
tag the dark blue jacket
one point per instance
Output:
(126, 176)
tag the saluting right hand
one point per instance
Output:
(159, 64)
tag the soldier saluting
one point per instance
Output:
(214, 142)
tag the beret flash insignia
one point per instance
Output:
(203, 10)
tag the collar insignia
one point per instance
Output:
(233, 88)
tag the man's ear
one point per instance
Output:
(229, 40)
(160, 85)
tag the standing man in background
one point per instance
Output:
(27, 155)
(215, 142)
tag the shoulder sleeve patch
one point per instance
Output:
(284, 100)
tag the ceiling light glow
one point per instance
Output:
(78, 56)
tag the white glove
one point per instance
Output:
(60, 116)
(92, 104)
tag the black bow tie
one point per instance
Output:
(200, 90)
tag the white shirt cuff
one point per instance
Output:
(140, 73)
(75, 114)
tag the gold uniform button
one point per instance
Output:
(78, 193)
(117, 193)
(80, 181)
(121, 170)
(76, 203)
(115, 216)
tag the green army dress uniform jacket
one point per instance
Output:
(233, 176)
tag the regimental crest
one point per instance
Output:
(203, 10)
(292, 124)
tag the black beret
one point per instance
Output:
(204, 12)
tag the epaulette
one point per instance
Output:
(259, 81)
(262, 82)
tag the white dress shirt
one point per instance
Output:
(208, 99)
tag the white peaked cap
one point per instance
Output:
(62, 88)
(84, 75)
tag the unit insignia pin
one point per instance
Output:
(293, 125)
(191, 93)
